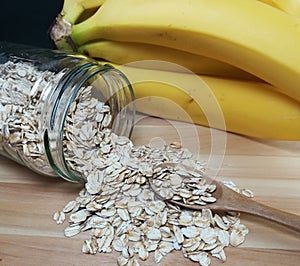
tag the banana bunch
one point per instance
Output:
(245, 51)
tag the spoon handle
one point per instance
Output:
(285, 218)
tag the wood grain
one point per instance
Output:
(271, 169)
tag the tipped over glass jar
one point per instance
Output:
(55, 104)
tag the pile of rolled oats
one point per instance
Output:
(117, 205)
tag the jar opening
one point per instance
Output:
(91, 102)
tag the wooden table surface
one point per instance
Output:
(271, 169)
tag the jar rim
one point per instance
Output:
(64, 95)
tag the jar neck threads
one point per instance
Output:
(109, 86)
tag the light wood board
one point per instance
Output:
(271, 169)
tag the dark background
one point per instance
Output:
(28, 21)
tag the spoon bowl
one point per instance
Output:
(226, 199)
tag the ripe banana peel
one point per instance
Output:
(126, 52)
(247, 34)
(248, 108)
(291, 7)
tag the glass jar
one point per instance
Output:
(40, 90)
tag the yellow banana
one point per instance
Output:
(126, 52)
(291, 7)
(249, 108)
(247, 34)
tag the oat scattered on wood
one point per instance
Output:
(117, 205)
(126, 215)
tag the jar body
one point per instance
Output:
(41, 89)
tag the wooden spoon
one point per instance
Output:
(229, 200)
